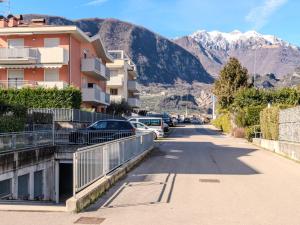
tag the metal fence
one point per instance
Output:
(93, 162)
(20, 140)
(88, 137)
(75, 115)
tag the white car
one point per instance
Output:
(140, 128)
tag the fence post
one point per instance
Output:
(75, 184)
(53, 128)
(13, 141)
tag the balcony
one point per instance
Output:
(134, 86)
(116, 98)
(134, 102)
(18, 84)
(33, 56)
(95, 95)
(94, 67)
(18, 56)
(115, 81)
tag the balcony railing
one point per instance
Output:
(133, 86)
(18, 84)
(21, 55)
(94, 95)
(134, 102)
(25, 55)
(116, 98)
(115, 81)
(93, 66)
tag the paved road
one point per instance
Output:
(196, 176)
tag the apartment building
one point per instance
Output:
(35, 54)
(123, 83)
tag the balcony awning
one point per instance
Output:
(32, 66)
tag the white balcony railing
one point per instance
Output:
(133, 86)
(94, 95)
(134, 102)
(19, 56)
(115, 81)
(116, 98)
(18, 84)
(93, 66)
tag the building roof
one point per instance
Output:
(73, 30)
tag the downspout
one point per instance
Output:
(70, 48)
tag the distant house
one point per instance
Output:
(123, 84)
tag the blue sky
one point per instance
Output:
(174, 18)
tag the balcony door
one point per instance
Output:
(15, 43)
(15, 78)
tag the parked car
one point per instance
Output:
(187, 120)
(166, 118)
(141, 128)
(102, 131)
(166, 128)
(152, 122)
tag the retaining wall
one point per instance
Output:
(289, 125)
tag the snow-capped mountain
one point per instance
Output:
(258, 52)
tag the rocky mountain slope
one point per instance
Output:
(261, 54)
(158, 59)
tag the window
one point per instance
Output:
(51, 74)
(126, 125)
(113, 91)
(51, 42)
(151, 122)
(100, 125)
(15, 43)
(15, 78)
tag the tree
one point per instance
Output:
(119, 108)
(232, 77)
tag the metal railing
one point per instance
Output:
(88, 137)
(22, 140)
(93, 162)
(76, 115)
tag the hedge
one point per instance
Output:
(248, 116)
(269, 123)
(42, 98)
(223, 122)
(12, 118)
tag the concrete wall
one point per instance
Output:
(289, 125)
(287, 149)
(27, 162)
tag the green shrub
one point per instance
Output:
(269, 123)
(250, 132)
(11, 124)
(42, 98)
(223, 122)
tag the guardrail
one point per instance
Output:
(93, 162)
(22, 140)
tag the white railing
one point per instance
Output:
(95, 67)
(115, 81)
(6, 84)
(94, 94)
(116, 98)
(134, 102)
(133, 85)
(18, 53)
(21, 55)
(93, 162)
(22, 140)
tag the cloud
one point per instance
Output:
(96, 2)
(260, 15)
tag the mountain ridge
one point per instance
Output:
(158, 59)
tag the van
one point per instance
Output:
(152, 122)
